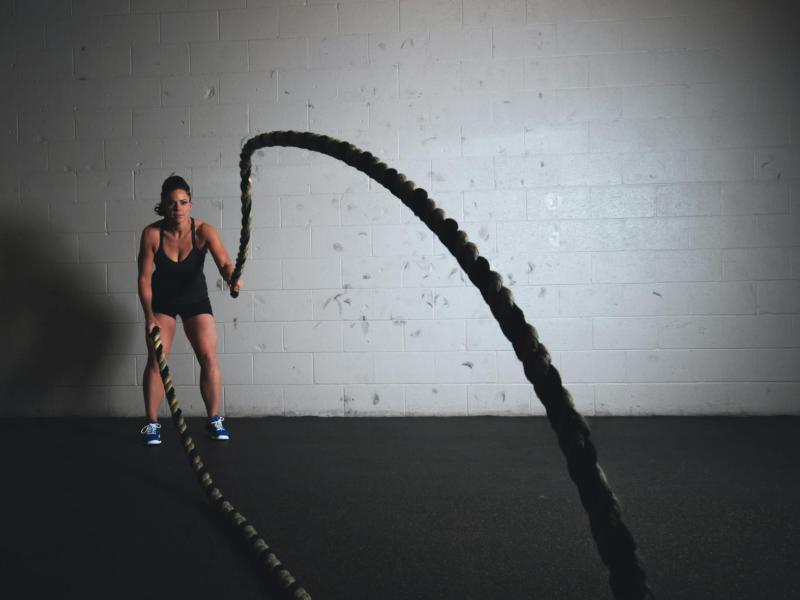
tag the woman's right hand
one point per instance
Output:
(150, 324)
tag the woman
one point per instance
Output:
(176, 247)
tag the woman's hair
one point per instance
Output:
(171, 183)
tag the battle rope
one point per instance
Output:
(614, 541)
(274, 569)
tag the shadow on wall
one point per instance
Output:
(55, 334)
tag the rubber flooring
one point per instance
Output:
(399, 509)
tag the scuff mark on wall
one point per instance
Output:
(334, 298)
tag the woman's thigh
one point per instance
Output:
(201, 331)
(167, 326)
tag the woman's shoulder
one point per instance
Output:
(204, 229)
(150, 236)
(155, 225)
(205, 233)
(153, 228)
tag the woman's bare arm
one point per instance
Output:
(220, 255)
(145, 261)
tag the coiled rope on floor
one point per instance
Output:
(276, 572)
(614, 540)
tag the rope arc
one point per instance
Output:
(614, 541)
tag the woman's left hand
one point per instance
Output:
(237, 286)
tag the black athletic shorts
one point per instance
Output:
(184, 310)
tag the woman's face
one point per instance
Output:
(178, 206)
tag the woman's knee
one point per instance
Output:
(207, 360)
(152, 364)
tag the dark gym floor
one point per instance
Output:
(399, 509)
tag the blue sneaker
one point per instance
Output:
(215, 430)
(151, 434)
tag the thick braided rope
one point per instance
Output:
(275, 570)
(615, 543)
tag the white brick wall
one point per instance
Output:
(630, 168)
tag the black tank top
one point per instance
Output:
(181, 282)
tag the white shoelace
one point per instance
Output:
(151, 428)
(218, 423)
